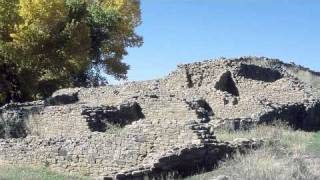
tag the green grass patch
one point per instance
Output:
(314, 145)
(33, 173)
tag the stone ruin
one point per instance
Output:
(152, 129)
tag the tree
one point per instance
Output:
(112, 25)
(65, 43)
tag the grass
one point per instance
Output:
(314, 145)
(286, 155)
(32, 173)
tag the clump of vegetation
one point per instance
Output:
(32, 173)
(314, 145)
(50, 44)
(286, 155)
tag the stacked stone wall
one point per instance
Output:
(145, 129)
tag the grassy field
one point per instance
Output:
(314, 146)
(32, 173)
(286, 155)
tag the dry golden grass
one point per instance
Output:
(286, 155)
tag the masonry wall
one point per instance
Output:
(57, 121)
(65, 148)
(179, 113)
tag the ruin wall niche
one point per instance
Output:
(259, 73)
(196, 75)
(305, 75)
(179, 79)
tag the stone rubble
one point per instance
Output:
(155, 128)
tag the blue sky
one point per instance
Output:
(184, 31)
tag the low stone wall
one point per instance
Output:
(152, 128)
(94, 153)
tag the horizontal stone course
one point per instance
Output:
(154, 128)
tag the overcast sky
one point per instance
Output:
(184, 31)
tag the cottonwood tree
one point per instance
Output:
(51, 44)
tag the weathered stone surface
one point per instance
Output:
(99, 118)
(155, 128)
(12, 124)
(64, 96)
(13, 118)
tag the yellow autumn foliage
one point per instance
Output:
(64, 43)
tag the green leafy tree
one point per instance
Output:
(51, 44)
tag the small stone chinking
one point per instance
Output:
(162, 127)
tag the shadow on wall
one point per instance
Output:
(12, 124)
(181, 163)
(101, 118)
(227, 84)
(202, 108)
(258, 73)
(13, 121)
(298, 116)
(62, 99)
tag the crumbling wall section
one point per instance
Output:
(14, 116)
(152, 127)
(98, 153)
